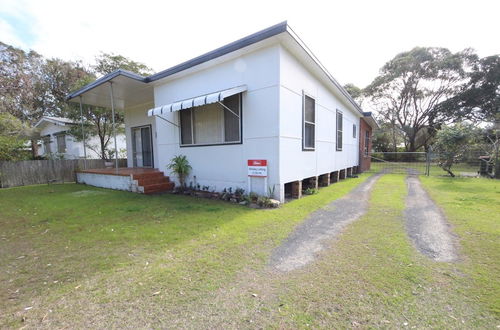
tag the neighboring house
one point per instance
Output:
(58, 143)
(262, 100)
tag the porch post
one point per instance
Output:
(114, 129)
(83, 135)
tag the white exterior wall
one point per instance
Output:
(296, 164)
(136, 117)
(116, 182)
(74, 149)
(271, 125)
(225, 166)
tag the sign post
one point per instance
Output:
(257, 168)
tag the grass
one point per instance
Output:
(89, 257)
(473, 207)
(79, 243)
(373, 277)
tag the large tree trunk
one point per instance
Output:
(103, 148)
(34, 149)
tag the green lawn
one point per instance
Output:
(78, 256)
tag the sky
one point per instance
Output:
(352, 39)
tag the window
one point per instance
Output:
(367, 142)
(46, 144)
(61, 143)
(339, 130)
(309, 123)
(354, 131)
(212, 123)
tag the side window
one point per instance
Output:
(308, 123)
(354, 130)
(339, 130)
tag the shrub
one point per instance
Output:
(180, 166)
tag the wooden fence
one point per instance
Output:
(29, 172)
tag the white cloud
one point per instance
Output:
(353, 39)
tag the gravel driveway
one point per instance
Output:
(426, 224)
(308, 238)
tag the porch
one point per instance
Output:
(134, 179)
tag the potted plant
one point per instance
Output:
(180, 166)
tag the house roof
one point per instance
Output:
(267, 33)
(61, 121)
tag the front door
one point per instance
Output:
(142, 148)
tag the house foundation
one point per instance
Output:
(324, 180)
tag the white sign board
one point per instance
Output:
(257, 167)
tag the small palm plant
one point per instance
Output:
(180, 166)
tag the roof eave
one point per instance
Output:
(104, 79)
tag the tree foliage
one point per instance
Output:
(479, 98)
(353, 90)
(412, 85)
(12, 137)
(32, 86)
(451, 144)
(109, 62)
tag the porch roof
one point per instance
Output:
(129, 89)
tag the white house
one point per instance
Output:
(57, 142)
(260, 113)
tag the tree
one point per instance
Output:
(32, 87)
(12, 137)
(355, 92)
(479, 98)
(109, 62)
(386, 138)
(412, 85)
(451, 144)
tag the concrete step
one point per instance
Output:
(158, 188)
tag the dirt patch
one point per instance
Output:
(426, 224)
(307, 240)
(82, 193)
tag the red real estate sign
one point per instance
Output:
(257, 167)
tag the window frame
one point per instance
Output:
(181, 145)
(337, 147)
(304, 148)
(47, 141)
(63, 136)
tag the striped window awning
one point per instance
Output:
(196, 101)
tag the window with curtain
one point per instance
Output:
(61, 143)
(309, 123)
(212, 123)
(339, 130)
